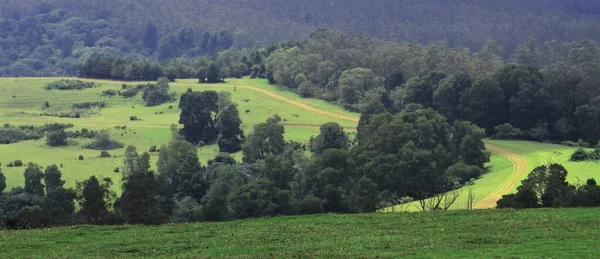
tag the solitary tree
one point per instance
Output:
(198, 116)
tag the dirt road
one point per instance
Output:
(519, 170)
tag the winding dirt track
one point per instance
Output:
(519, 170)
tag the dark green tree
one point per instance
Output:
(266, 139)
(57, 138)
(52, 177)
(213, 74)
(198, 116)
(484, 104)
(446, 98)
(231, 134)
(33, 180)
(95, 199)
(419, 90)
(331, 135)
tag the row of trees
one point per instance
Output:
(414, 153)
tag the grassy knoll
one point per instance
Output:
(541, 233)
(22, 100)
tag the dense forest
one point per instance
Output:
(464, 23)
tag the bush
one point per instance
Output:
(134, 118)
(247, 111)
(80, 157)
(17, 163)
(131, 91)
(89, 105)
(105, 154)
(157, 94)
(464, 172)
(109, 93)
(153, 149)
(116, 170)
(57, 139)
(507, 131)
(69, 85)
(102, 141)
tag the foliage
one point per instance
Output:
(102, 141)
(157, 94)
(57, 138)
(266, 139)
(67, 84)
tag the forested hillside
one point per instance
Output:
(467, 23)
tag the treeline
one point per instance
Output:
(547, 186)
(54, 42)
(414, 153)
(547, 94)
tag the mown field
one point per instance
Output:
(22, 101)
(540, 233)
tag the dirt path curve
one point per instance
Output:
(520, 167)
(269, 93)
(287, 100)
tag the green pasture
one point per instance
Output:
(22, 101)
(539, 233)
(500, 168)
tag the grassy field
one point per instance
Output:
(541, 233)
(502, 177)
(22, 101)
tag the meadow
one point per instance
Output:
(539, 233)
(504, 177)
(22, 101)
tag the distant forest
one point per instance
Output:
(463, 23)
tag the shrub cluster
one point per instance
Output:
(67, 84)
(102, 141)
(89, 105)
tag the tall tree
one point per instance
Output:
(231, 134)
(484, 104)
(95, 199)
(52, 177)
(198, 116)
(266, 139)
(33, 179)
(139, 203)
(331, 135)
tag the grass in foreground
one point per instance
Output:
(541, 233)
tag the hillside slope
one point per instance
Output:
(556, 233)
(467, 23)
